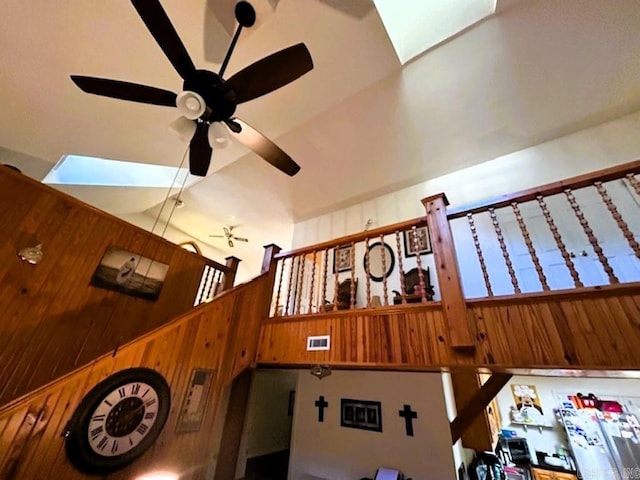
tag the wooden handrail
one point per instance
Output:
(605, 175)
(355, 237)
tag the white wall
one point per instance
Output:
(267, 427)
(328, 451)
(550, 389)
(591, 149)
(178, 236)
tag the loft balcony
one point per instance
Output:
(544, 278)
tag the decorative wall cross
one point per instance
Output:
(408, 415)
(321, 404)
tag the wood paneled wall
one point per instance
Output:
(589, 328)
(30, 428)
(51, 320)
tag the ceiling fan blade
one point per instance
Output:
(161, 28)
(270, 73)
(200, 151)
(230, 243)
(125, 90)
(217, 236)
(241, 239)
(266, 148)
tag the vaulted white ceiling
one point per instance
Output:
(359, 124)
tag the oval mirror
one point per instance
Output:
(374, 258)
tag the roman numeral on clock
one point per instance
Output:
(135, 388)
(149, 415)
(142, 429)
(121, 392)
(114, 446)
(95, 433)
(151, 402)
(102, 443)
(98, 418)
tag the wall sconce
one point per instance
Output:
(31, 255)
(320, 371)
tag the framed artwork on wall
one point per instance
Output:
(194, 404)
(362, 414)
(419, 236)
(342, 259)
(130, 273)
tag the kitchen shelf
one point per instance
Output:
(526, 426)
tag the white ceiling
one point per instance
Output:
(358, 124)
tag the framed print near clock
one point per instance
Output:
(118, 420)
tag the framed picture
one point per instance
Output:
(342, 259)
(423, 242)
(194, 404)
(362, 414)
(130, 273)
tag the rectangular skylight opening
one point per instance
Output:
(415, 26)
(94, 171)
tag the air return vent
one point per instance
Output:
(322, 342)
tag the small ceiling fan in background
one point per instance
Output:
(228, 234)
(208, 101)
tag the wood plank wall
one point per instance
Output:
(51, 320)
(30, 428)
(589, 328)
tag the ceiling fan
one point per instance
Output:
(228, 234)
(219, 23)
(209, 101)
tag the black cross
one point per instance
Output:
(408, 415)
(321, 404)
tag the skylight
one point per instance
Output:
(80, 170)
(414, 26)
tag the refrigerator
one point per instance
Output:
(605, 445)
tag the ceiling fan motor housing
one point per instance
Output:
(220, 102)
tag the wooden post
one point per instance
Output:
(454, 306)
(270, 251)
(477, 404)
(230, 276)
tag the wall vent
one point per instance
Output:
(321, 342)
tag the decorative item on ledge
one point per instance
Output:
(320, 371)
(31, 255)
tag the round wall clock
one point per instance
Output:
(118, 420)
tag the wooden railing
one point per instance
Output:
(355, 271)
(215, 279)
(576, 233)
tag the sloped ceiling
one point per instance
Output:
(358, 124)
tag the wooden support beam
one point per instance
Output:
(477, 404)
(461, 335)
(233, 425)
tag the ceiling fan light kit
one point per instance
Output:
(207, 100)
(190, 105)
(183, 128)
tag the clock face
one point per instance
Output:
(118, 420)
(122, 419)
